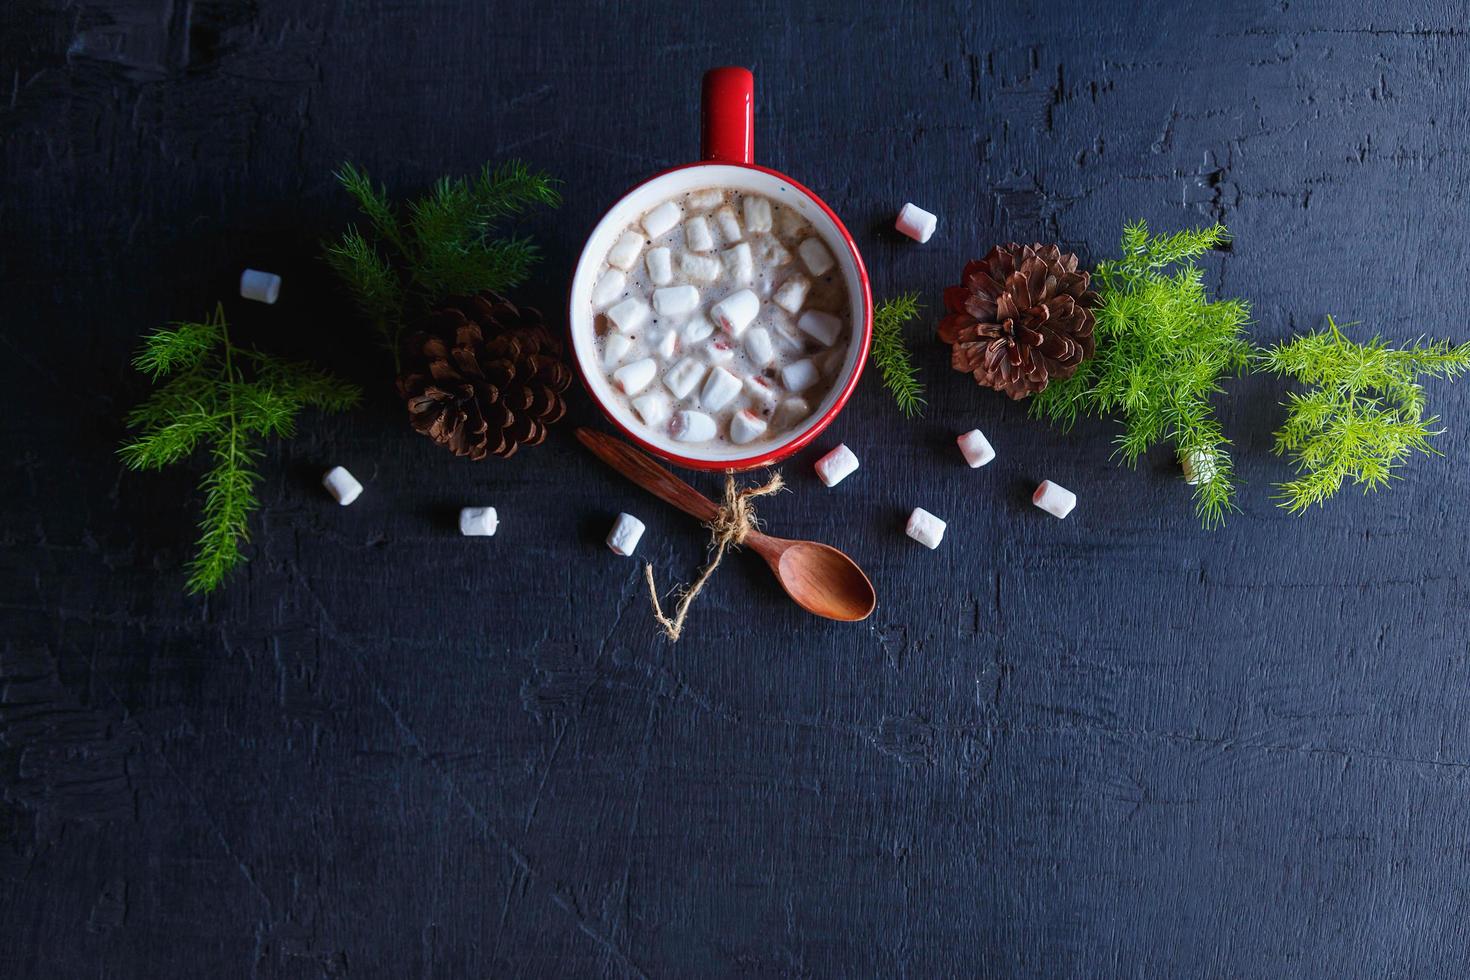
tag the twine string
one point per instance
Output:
(734, 520)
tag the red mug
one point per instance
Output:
(728, 150)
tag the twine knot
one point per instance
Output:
(729, 528)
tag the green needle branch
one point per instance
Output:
(228, 398)
(892, 356)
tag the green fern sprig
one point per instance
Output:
(892, 356)
(1162, 349)
(227, 397)
(441, 244)
(1362, 416)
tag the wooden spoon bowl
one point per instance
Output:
(817, 577)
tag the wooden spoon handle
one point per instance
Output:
(649, 475)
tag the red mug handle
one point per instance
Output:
(729, 115)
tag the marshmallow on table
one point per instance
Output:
(697, 235)
(735, 311)
(614, 348)
(791, 294)
(1056, 501)
(739, 262)
(757, 214)
(758, 346)
(675, 300)
(342, 485)
(682, 377)
(746, 426)
(625, 250)
(925, 528)
(975, 448)
(661, 219)
(729, 224)
(699, 268)
(916, 223)
(633, 378)
(693, 427)
(624, 536)
(697, 328)
(822, 327)
(837, 465)
(818, 260)
(608, 287)
(720, 389)
(478, 522)
(1199, 466)
(800, 375)
(660, 266)
(263, 287)
(628, 315)
(652, 408)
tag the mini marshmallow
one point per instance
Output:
(633, 378)
(746, 426)
(925, 528)
(916, 223)
(785, 331)
(625, 534)
(757, 214)
(608, 287)
(719, 351)
(682, 377)
(830, 362)
(822, 327)
(697, 235)
(720, 389)
(771, 252)
(478, 522)
(792, 294)
(675, 300)
(342, 485)
(729, 225)
(735, 311)
(693, 427)
(1199, 466)
(739, 262)
(790, 223)
(1056, 501)
(791, 411)
(263, 287)
(975, 448)
(758, 346)
(628, 315)
(625, 250)
(661, 219)
(818, 260)
(706, 198)
(614, 348)
(667, 346)
(652, 408)
(761, 393)
(837, 465)
(699, 268)
(697, 329)
(660, 264)
(800, 375)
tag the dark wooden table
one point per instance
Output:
(1111, 746)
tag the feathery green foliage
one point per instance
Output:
(1162, 349)
(228, 397)
(441, 244)
(1363, 413)
(892, 355)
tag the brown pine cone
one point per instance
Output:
(483, 378)
(1020, 317)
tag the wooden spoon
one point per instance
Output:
(818, 577)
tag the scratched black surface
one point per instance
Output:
(1111, 746)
